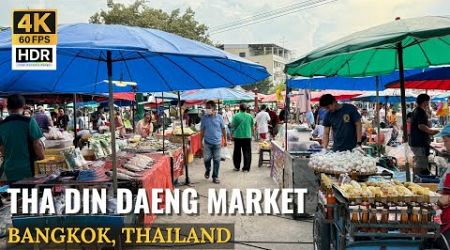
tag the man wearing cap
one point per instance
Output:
(43, 120)
(420, 137)
(444, 202)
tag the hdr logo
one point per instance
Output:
(34, 39)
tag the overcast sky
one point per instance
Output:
(301, 31)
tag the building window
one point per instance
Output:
(242, 54)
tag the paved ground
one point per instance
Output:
(251, 232)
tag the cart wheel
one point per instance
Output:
(321, 234)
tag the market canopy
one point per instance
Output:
(340, 95)
(425, 41)
(347, 83)
(385, 96)
(435, 78)
(227, 94)
(153, 59)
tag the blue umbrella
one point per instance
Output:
(440, 97)
(89, 54)
(157, 61)
(348, 83)
(218, 94)
(385, 96)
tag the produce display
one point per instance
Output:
(343, 162)
(101, 145)
(394, 191)
(57, 139)
(132, 169)
(186, 131)
(151, 145)
(264, 145)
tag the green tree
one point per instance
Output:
(140, 14)
(263, 86)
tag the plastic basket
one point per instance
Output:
(50, 164)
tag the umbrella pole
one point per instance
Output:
(75, 115)
(163, 129)
(183, 140)
(112, 121)
(403, 102)
(377, 81)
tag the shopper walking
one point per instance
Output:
(421, 133)
(227, 119)
(242, 126)
(262, 120)
(212, 132)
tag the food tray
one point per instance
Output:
(333, 172)
(415, 198)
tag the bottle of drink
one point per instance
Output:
(331, 200)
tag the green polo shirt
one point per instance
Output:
(242, 125)
(17, 133)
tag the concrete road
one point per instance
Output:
(251, 232)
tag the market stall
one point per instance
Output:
(376, 213)
(289, 168)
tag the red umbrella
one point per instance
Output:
(338, 94)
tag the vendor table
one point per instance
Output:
(290, 170)
(177, 164)
(195, 144)
(156, 177)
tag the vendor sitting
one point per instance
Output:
(145, 126)
(443, 241)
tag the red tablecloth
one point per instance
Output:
(156, 177)
(178, 163)
(195, 144)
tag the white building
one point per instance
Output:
(270, 55)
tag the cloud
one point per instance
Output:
(301, 31)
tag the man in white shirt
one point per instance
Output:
(262, 120)
(227, 118)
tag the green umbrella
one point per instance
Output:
(407, 43)
(425, 41)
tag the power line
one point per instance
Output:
(260, 13)
(273, 15)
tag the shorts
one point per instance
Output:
(263, 136)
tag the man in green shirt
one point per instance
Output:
(242, 127)
(20, 142)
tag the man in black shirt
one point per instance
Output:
(345, 121)
(63, 119)
(420, 137)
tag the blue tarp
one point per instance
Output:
(155, 60)
(218, 94)
(347, 83)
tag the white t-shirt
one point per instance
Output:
(227, 117)
(262, 121)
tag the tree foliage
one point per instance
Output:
(140, 14)
(263, 86)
